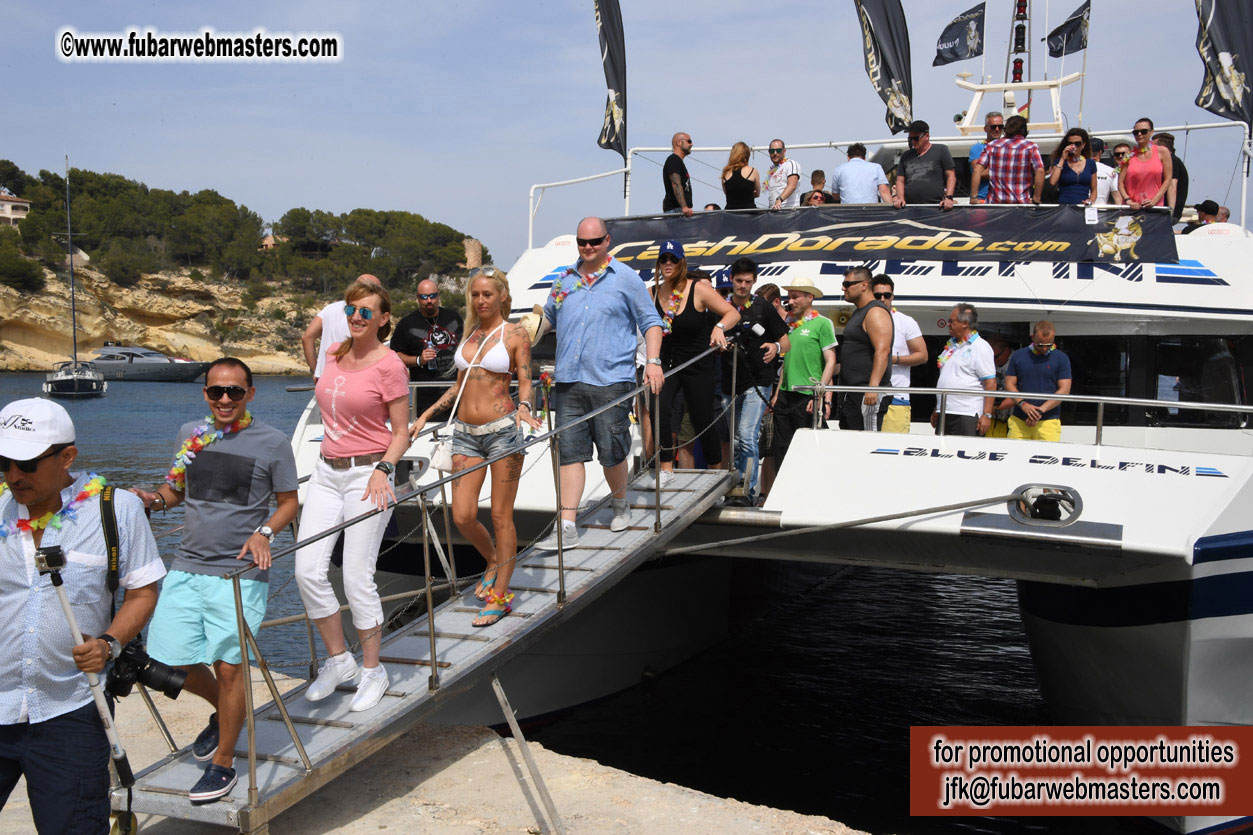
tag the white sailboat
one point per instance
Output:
(75, 379)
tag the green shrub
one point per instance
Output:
(18, 272)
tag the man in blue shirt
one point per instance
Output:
(596, 307)
(50, 729)
(859, 181)
(994, 127)
(1041, 369)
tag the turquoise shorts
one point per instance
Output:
(195, 618)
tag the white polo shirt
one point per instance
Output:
(334, 329)
(905, 329)
(970, 365)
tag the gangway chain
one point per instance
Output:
(334, 739)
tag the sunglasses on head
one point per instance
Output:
(591, 241)
(1140, 131)
(235, 393)
(366, 313)
(490, 272)
(30, 465)
(882, 296)
(426, 297)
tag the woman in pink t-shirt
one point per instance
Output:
(363, 387)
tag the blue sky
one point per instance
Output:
(454, 110)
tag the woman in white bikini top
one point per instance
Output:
(486, 425)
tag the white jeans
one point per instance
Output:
(334, 496)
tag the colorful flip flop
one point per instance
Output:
(501, 601)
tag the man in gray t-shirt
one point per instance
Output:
(925, 173)
(226, 487)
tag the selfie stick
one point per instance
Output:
(120, 763)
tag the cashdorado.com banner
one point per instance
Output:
(914, 233)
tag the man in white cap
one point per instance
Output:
(810, 358)
(50, 730)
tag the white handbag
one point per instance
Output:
(441, 452)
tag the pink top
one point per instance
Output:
(1143, 175)
(354, 405)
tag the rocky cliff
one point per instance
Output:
(173, 313)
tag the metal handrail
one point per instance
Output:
(248, 641)
(1101, 401)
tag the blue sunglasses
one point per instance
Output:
(366, 313)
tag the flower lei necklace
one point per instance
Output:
(200, 438)
(671, 310)
(558, 293)
(793, 324)
(950, 348)
(53, 519)
(748, 304)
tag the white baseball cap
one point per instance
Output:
(29, 427)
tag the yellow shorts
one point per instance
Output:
(1045, 430)
(998, 429)
(897, 419)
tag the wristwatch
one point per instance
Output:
(266, 531)
(987, 415)
(654, 360)
(115, 648)
(720, 326)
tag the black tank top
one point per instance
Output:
(689, 334)
(739, 191)
(857, 351)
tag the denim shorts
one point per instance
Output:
(488, 444)
(610, 430)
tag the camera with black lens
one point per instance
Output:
(135, 665)
(50, 559)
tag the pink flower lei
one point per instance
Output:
(558, 293)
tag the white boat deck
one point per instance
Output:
(336, 739)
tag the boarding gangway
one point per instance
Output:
(291, 747)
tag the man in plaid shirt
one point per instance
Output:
(1013, 165)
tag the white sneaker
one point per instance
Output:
(569, 538)
(336, 670)
(621, 515)
(370, 689)
(667, 476)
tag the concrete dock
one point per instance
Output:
(454, 781)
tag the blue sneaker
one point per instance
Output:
(216, 782)
(206, 745)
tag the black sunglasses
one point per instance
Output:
(1121, 154)
(591, 241)
(847, 284)
(30, 465)
(1140, 131)
(667, 259)
(994, 127)
(882, 296)
(235, 393)
(777, 150)
(915, 138)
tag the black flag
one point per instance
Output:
(962, 38)
(1072, 35)
(885, 41)
(1225, 43)
(613, 53)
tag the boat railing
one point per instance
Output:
(537, 190)
(419, 493)
(1101, 401)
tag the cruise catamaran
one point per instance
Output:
(1129, 539)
